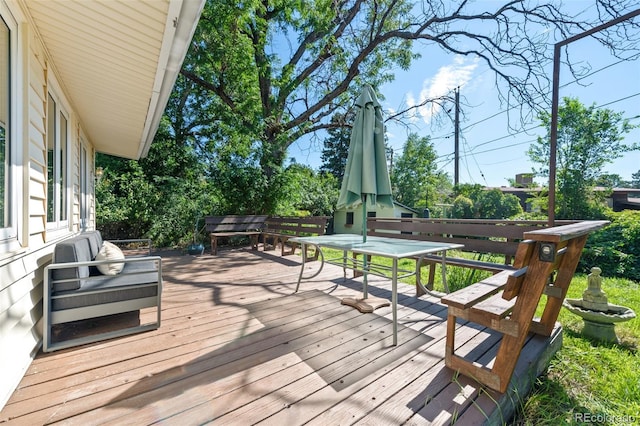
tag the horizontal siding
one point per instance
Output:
(21, 284)
(75, 178)
(11, 272)
(36, 207)
(19, 300)
(37, 228)
(14, 363)
(20, 315)
(37, 147)
(114, 52)
(37, 161)
(36, 240)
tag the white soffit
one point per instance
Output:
(117, 61)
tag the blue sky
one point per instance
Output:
(490, 152)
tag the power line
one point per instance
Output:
(619, 100)
(447, 156)
(507, 136)
(540, 125)
(633, 57)
(505, 161)
(471, 150)
(469, 126)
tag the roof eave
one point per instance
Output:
(182, 19)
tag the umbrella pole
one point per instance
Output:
(365, 293)
(365, 304)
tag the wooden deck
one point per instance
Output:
(236, 346)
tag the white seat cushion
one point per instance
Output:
(110, 251)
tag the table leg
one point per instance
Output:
(365, 282)
(304, 261)
(344, 264)
(444, 271)
(394, 300)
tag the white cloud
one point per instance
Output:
(448, 77)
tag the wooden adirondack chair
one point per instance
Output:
(506, 302)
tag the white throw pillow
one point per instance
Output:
(110, 251)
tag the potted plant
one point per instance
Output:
(196, 247)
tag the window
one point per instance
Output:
(371, 214)
(349, 218)
(5, 153)
(10, 197)
(57, 149)
(84, 188)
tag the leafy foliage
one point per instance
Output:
(277, 70)
(336, 149)
(588, 138)
(635, 179)
(160, 197)
(261, 75)
(616, 248)
(309, 193)
(166, 195)
(414, 177)
(474, 202)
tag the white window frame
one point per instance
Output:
(9, 236)
(61, 192)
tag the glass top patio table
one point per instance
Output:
(393, 248)
(397, 248)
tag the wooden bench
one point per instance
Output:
(278, 230)
(234, 226)
(481, 236)
(545, 263)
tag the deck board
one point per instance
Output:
(237, 346)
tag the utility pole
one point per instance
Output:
(456, 179)
(555, 99)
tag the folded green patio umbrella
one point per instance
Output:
(366, 175)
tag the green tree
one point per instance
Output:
(336, 149)
(493, 204)
(616, 248)
(588, 138)
(414, 177)
(161, 196)
(309, 192)
(277, 70)
(462, 207)
(123, 198)
(473, 201)
(635, 179)
(471, 191)
(611, 180)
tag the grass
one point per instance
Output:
(587, 381)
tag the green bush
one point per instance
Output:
(616, 248)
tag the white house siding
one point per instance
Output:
(106, 63)
(340, 218)
(37, 79)
(74, 175)
(21, 270)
